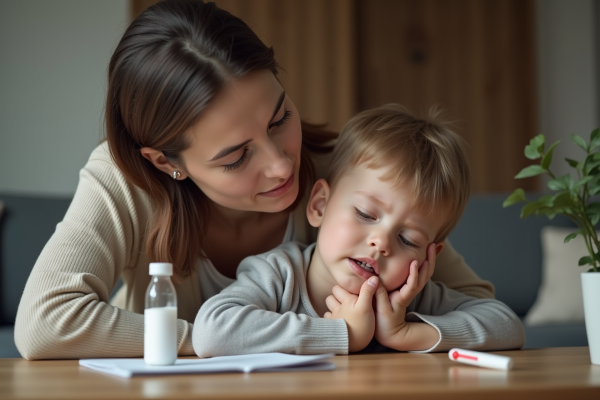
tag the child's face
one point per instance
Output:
(365, 220)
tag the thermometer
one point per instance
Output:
(481, 359)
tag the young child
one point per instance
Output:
(396, 188)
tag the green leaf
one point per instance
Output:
(557, 184)
(564, 182)
(530, 171)
(571, 236)
(547, 159)
(593, 211)
(594, 190)
(594, 185)
(546, 200)
(593, 208)
(579, 141)
(516, 197)
(529, 209)
(562, 199)
(582, 182)
(585, 260)
(595, 139)
(568, 180)
(573, 163)
(549, 212)
(590, 165)
(535, 148)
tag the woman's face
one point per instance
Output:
(245, 148)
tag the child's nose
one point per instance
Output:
(381, 243)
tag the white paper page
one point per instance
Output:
(267, 362)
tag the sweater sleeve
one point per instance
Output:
(466, 322)
(258, 314)
(64, 310)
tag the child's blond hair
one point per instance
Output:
(422, 152)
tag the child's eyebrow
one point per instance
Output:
(386, 207)
(418, 228)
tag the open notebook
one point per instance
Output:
(267, 362)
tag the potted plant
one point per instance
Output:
(574, 197)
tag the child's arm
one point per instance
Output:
(259, 312)
(459, 320)
(466, 322)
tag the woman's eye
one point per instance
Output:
(406, 241)
(362, 215)
(286, 116)
(238, 163)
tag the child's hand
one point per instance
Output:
(390, 324)
(417, 279)
(357, 311)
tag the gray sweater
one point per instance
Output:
(268, 310)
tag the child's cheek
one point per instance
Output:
(399, 277)
(396, 280)
(343, 233)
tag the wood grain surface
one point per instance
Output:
(553, 373)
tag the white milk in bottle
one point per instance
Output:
(160, 317)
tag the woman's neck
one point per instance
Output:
(234, 219)
(233, 235)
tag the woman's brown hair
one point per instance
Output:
(173, 59)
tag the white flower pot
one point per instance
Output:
(590, 283)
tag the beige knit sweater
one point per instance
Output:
(65, 310)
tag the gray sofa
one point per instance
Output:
(497, 244)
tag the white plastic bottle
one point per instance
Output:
(160, 317)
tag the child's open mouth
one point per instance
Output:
(365, 266)
(362, 268)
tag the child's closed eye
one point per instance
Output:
(362, 215)
(406, 241)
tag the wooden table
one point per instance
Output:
(553, 373)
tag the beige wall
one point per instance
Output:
(54, 54)
(568, 55)
(53, 60)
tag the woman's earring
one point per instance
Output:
(176, 174)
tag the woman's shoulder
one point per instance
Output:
(102, 167)
(100, 158)
(101, 178)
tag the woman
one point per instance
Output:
(205, 163)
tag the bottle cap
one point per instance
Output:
(161, 269)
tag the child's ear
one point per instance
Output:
(439, 247)
(315, 209)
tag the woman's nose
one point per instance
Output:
(279, 165)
